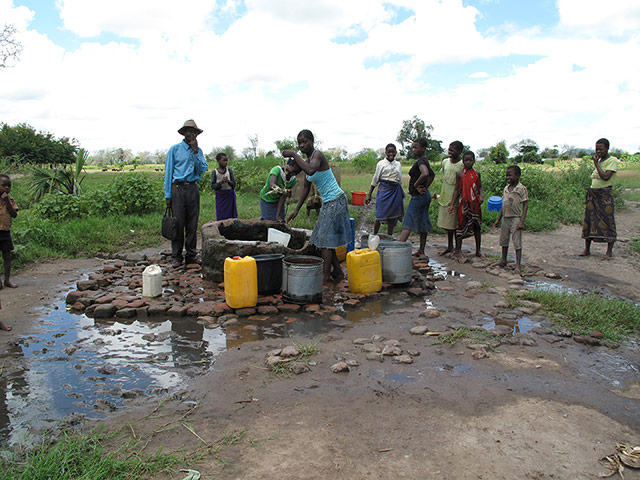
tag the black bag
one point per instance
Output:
(169, 225)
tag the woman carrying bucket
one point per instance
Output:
(332, 229)
(390, 198)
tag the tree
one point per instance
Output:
(252, 150)
(10, 47)
(525, 145)
(66, 179)
(287, 143)
(23, 143)
(413, 129)
(228, 150)
(499, 153)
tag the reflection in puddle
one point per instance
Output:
(397, 377)
(455, 370)
(75, 365)
(443, 271)
(521, 325)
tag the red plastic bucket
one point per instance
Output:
(357, 198)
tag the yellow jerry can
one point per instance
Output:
(364, 271)
(341, 253)
(240, 282)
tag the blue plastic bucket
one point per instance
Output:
(494, 203)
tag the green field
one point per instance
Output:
(557, 196)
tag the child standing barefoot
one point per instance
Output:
(8, 211)
(514, 210)
(469, 190)
(450, 167)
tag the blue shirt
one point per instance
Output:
(326, 184)
(183, 165)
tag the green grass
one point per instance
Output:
(635, 245)
(615, 318)
(468, 336)
(75, 456)
(557, 196)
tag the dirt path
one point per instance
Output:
(549, 410)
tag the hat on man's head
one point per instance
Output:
(192, 124)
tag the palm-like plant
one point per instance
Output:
(66, 179)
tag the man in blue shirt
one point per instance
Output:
(183, 168)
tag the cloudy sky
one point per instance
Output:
(128, 73)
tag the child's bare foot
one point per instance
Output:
(606, 257)
(480, 256)
(445, 251)
(5, 327)
(337, 275)
(500, 264)
(585, 253)
(9, 284)
(418, 254)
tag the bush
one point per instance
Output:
(366, 160)
(128, 194)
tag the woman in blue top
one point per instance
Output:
(333, 228)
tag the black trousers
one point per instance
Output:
(185, 202)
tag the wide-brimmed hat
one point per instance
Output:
(192, 124)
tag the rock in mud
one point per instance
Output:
(107, 370)
(340, 367)
(87, 285)
(479, 354)
(594, 342)
(563, 332)
(126, 313)
(596, 334)
(419, 330)
(370, 347)
(71, 349)
(376, 356)
(353, 362)
(392, 342)
(552, 275)
(245, 312)
(290, 351)
(299, 368)
(377, 338)
(430, 313)
(529, 342)
(405, 359)
(360, 341)
(472, 285)
(391, 351)
(106, 310)
(74, 295)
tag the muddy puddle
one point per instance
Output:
(520, 325)
(76, 367)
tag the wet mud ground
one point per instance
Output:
(548, 410)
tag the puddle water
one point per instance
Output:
(520, 325)
(75, 365)
(443, 270)
(397, 377)
(456, 370)
(112, 361)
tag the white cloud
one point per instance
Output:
(615, 17)
(137, 95)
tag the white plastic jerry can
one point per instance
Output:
(152, 281)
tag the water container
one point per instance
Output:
(240, 282)
(302, 279)
(397, 264)
(357, 198)
(494, 203)
(269, 273)
(275, 235)
(364, 271)
(152, 281)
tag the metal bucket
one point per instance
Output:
(397, 265)
(302, 279)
